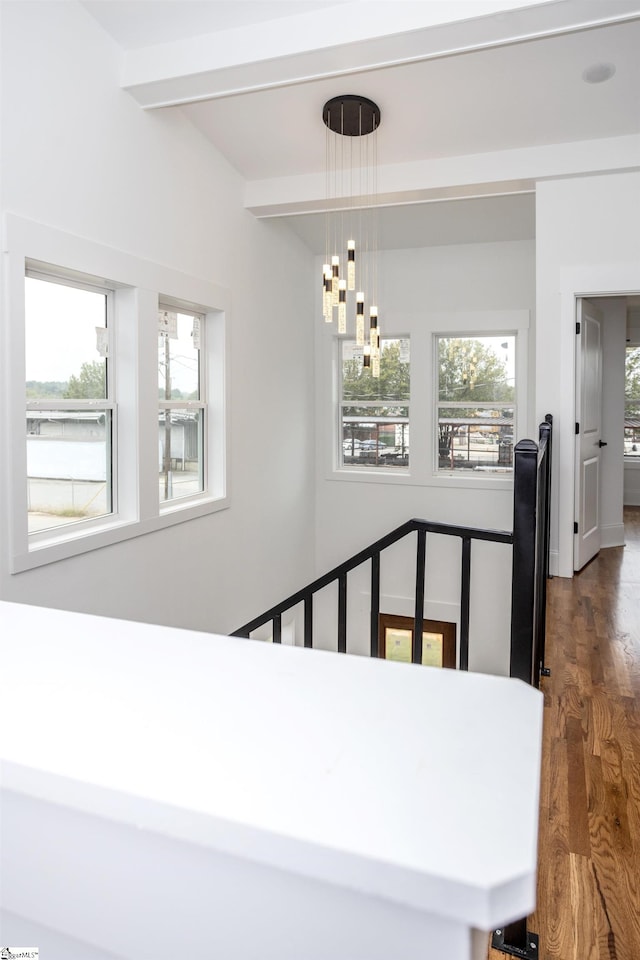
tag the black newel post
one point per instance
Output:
(524, 554)
(528, 601)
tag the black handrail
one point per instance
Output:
(372, 553)
(530, 540)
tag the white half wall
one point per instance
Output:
(80, 155)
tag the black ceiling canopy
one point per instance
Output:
(351, 116)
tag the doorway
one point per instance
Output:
(620, 477)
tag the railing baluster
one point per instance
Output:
(427, 526)
(308, 620)
(342, 613)
(277, 628)
(416, 652)
(375, 605)
(465, 600)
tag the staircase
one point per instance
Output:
(528, 540)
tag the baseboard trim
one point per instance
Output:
(612, 535)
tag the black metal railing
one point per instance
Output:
(530, 541)
(372, 554)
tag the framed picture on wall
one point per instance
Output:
(438, 641)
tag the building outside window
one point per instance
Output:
(632, 403)
(475, 404)
(374, 411)
(71, 413)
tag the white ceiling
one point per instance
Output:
(450, 84)
(502, 98)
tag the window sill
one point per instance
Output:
(63, 546)
(475, 482)
(371, 475)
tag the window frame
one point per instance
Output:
(200, 404)
(368, 469)
(500, 473)
(138, 286)
(420, 327)
(109, 403)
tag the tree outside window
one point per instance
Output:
(375, 410)
(475, 403)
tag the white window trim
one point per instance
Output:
(486, 324)
(139, 286)
(109, 403)
(201, 404)
(450, 474)
(421, 329)
(366, 470)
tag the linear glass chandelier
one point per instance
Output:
(350, 269)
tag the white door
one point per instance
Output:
(588, 432)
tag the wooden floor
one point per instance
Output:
(589, 851)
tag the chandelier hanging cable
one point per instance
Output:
(350, 270)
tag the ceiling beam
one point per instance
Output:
(373, 36)
(482, 174)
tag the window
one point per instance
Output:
(632, 403)
(126, 423)
(395, 640)
(181, 389)
(374, 411)
(70, 404)
(475, 404)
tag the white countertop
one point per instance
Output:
(410, 783)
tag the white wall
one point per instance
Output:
(587, 242)
(614, 312)
(421, 289)
(80, 155)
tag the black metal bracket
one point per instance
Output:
(546, 672)
(529, 951)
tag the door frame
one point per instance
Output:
(597, 280)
